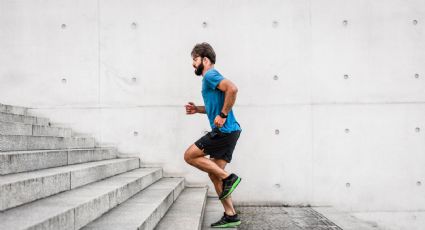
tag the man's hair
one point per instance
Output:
(204, 50)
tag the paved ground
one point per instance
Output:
(259, 218)
(316, 218)
(394, 220)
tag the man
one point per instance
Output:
(219, 95)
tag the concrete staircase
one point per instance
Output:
(52, 179)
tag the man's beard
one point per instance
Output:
(198, 71)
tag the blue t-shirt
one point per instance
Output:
(214, 101)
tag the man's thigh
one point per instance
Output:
(194, 152)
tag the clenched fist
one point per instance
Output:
(219, 121)
(191, 108)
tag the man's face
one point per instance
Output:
(198, 65)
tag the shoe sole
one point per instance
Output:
(232, 189)
(228, 225)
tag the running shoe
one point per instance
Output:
(229, 185)
(227, 222)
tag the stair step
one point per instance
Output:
(144, 210)
(9, 117)
(21, 188)
(24, 161)
(76, 208)
(13, 109)
(15, 128)
(15, 142)
(187, 212)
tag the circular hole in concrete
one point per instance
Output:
(275, 77)
(345, 22)
(415, 22)
(347, 185)
(275, 24)
(63, 26)
(418, 183)
(347, 130)
(204, 24)
(134, 79)
(134, 25)
(416, 75)
(345, 76)
(135, 133)
(64, 80)
(417, 129)
(276, 132)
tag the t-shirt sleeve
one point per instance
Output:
(212, 80)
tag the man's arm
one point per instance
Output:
(191, 108)
(200, 109)
(230, 90)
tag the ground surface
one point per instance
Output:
(258, 218)
(316, 218)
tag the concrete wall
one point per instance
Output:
(331, 93)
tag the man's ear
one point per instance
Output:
(205, 60)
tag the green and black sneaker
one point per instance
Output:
(229, 185)
(227, 222)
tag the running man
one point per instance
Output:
(219, 95)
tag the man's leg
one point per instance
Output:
(196, 157)
(230, 217)
(227, 202)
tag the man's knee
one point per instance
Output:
(192, 153)
(188, 157)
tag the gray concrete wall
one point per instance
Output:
(331, 93)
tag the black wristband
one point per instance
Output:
(222, 115)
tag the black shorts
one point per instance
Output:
(219, 145)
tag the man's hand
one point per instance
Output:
(191, 108)
(219, 121)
